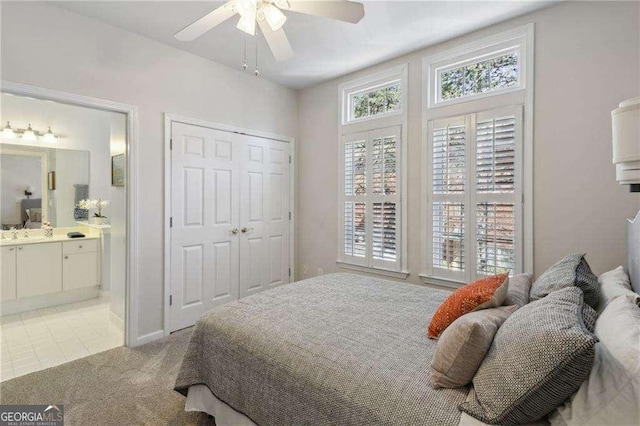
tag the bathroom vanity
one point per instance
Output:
(39, 272)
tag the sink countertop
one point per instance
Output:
(40, 239)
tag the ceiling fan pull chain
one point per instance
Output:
(244, 64)
(256, 72)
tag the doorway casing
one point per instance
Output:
(131, 281)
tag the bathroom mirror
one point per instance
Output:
(32, 194)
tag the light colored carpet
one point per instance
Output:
(121, 386)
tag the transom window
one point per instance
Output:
(480, 76)
(375, 101)
(377, 96)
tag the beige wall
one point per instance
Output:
(587, 59)
(50, 47)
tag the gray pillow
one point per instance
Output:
(573, 270)
(463, 345)
(518, 292)
(539, 357)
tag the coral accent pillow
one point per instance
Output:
(484, 293)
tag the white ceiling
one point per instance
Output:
(323, 48)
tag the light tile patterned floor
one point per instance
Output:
(43, 338)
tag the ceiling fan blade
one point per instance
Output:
(277, 41)
(207, 22)
(347, 11)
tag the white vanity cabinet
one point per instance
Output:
(80, 264)
(39, 269)
(8, 276)
(37, 274)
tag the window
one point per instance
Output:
(374, 97)
(473, 194)
(478, 162)
(479, 76)
(493, 66)
(371, 234)
(375, 101)
(372, 206)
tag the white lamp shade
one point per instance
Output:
(625, 123)
(247, 25)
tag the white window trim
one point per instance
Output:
(519, 40)
(522, 95)
(367, 84)
(395, 118)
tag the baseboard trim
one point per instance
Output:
(16, 306)
(150, 337)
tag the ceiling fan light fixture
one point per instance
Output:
(247, 8)
(275, 18)
(282, 4)
(248, 25)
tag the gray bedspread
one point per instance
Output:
(338, 349)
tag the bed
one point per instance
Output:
(337, 349)
(31, 213)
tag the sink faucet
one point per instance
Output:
(14, 233)
(26, 233)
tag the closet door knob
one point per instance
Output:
(234, 231)
(66, 257)
(246, 230)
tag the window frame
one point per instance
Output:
(478, 104)
(374, 124)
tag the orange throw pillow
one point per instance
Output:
(484, 293)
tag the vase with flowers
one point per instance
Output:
(48, 229)
(97, 204)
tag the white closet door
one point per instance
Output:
(205, 212)
(264, 214)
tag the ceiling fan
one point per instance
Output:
(269, 16)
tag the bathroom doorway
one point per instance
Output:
(66, 189)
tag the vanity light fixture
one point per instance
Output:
(29, 134)
(49, 136)
(7, 131)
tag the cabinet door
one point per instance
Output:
(80, 270)
(39, 269)
(8, 277)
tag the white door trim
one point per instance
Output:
(168, 119)
(131, 283)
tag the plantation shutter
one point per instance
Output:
(355, 192)
(371, 203)
(497, 208)
(448, 204)
(475, 210)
